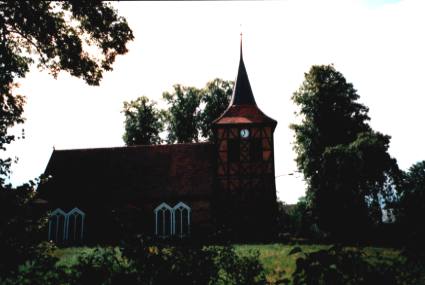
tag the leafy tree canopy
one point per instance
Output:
(142, 122)
(216, 96)
(11, 109)
(188, 118)
(345, 163)
(415, 179)
(411, 208)
(182, 116)
(57, 36)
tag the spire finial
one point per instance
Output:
(241, 40)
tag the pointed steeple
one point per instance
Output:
(242, 108)
(242, 92)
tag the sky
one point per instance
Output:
(377, 45)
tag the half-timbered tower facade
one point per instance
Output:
(201, 190)
(245, 175)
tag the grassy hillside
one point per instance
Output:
(277, 263)
(274, 257)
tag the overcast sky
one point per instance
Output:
(378, 46)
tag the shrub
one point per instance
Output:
(21, 227)
(40, 270)
(338, 265)
(193, 264)
(102, 266)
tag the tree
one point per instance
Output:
(345, 163)
(21, 227)
(216, 96)
(57, 36)
(411, 208)
(412, 196)
(182, 116)
(54, 34)
(188, 118)
(143, 122)
(11, 109)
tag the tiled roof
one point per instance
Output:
(243, 114)
(140, 172)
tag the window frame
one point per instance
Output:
(181, 207)
(58, 212)
(80, 213)
(156, 210)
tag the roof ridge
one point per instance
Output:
(132, 146)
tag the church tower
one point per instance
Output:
(246, 191)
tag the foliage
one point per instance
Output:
(216, 96)
(69, 256)
(21, 228)
(345, 163)
(37, 269)
(11, 109)
(269, 264)
(145, 265)
(35, 272)
(142, 122)
(411, 209)
(296, 221)
(182, 116)
(102, 266)
(284, 223)
(338, 265)
(191, 110)
(188, 118)
(57, 36)
(193, 264)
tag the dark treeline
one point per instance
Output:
(356, 193)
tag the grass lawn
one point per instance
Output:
(274, 257)
(277, 263)
(69, 255)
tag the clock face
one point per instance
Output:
(244, 133)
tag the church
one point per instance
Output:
(223, 189)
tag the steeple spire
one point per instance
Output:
(242, 108)
(242, 92)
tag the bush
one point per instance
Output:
(193, 264)
(102, 266)
(21, 228)
(338, 265)
(41, 270)
(144, 264)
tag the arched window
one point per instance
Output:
(163, 220)
(75, 225)
(181, 220)
(57, 226)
